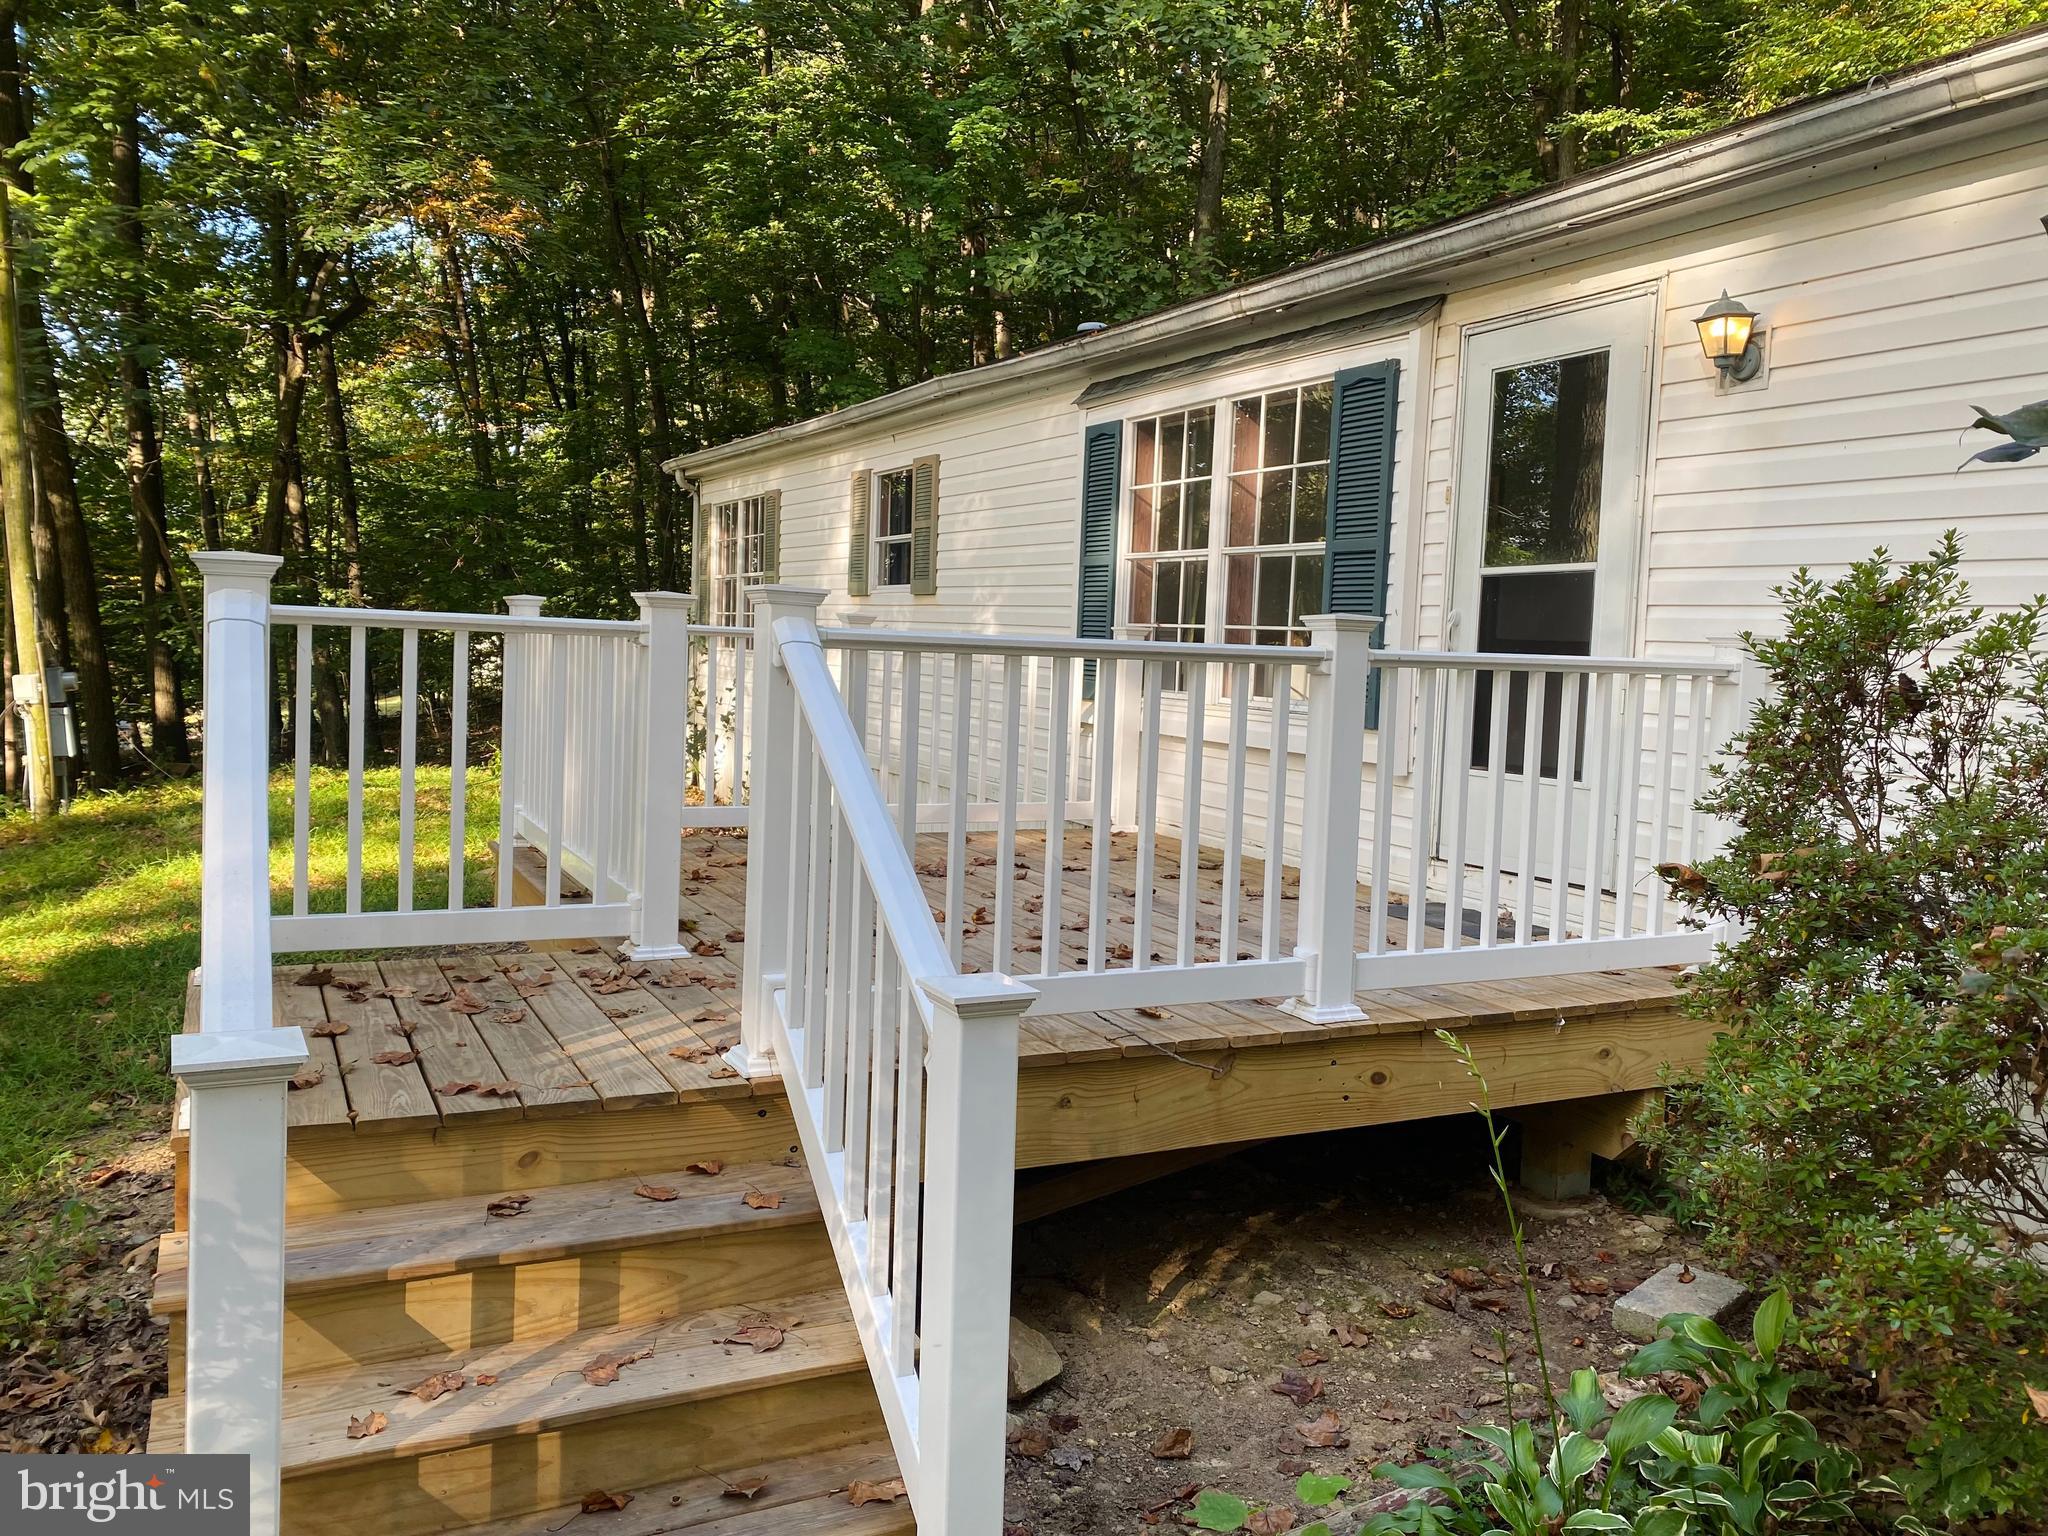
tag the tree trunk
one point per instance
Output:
(459, 341)
(145, 454)
(18, 493)
(343, 470)
(212, 526)
(1215, 143)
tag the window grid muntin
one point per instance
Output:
(739, 548)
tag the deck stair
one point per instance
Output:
(525, 1307)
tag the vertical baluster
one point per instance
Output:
(1279, 748)
(956, 803)
(818, 896)
(1561, 840)
(1430, 681)
(707, 767)
(558, 761)
(302, 772)
(1599, 810)
(458, 768)
(1702, 694)
(1660, 810)
(1501, 685)
(1104, 773)
(912, 764)
(1011, 747)
(1627, 826)
(1239, 675)
(886, 717)
(860, 1029)
(513, 659)
(1532, 803)
(840, 1016)
(1057, 728)
(408, 758)
(806, 768)
(1148, 815)
(358, 688)
(903, 1287)
(737, 738)
(1392, 742)
(609, 767)
(1462, 690)
(881, 1185)
(1195, 677)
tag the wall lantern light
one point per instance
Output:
(1728, 337)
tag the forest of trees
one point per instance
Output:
(419, 293)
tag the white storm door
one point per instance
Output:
(1545, 533)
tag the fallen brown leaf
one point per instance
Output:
(1467, 1279)
(438, 1385)
(462, 1000)
(1175, 1445)
(371, 1423)
(1397, 1309)
(487, 1378)
(1029, 1441)
(710, 1165)
(1270, 1522)
(1298, 1389)
(327, 1030)
(886, 1491)
(759, 1337)
(312, 1077)
(395, 1058)
(599, 1502)
(744, 1488)
(1324, 1431)
(604, 1370)
(508, 1205)
(763, 1200)
(654, 1192)
(319, 976)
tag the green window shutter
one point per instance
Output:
(924, 527)
(771, 536)
(1102, 460)
(1361, 506)
(857, 534)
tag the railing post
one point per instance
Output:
(1332, 812)
(665, 709)
(236, 1069)
(970, 1177)
(774, 820)
(515, 736)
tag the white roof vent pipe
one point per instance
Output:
(1090, 327)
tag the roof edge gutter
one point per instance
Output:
(1801, 141)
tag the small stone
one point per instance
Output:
(1644, 1241)
(1660, 1223)
(1637, 1314)
(1033, 1360)
(1268, 1299)
(1224, 1378)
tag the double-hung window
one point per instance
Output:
(1264, 555)
(892, 524)
(738, 557)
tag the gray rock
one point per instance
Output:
(1637, 1314)
(1268, 1299)
(1033, 1360)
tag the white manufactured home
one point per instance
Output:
(1257, 687)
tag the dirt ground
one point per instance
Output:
(1178, 1306)
(83, 1358)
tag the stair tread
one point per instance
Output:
(539, 1385)
(448, 1236)
(801, 1494)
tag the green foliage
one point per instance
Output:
(1871, 1123)
(1218, 1511)
(1738, 1463)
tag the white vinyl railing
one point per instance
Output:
(901, 1072)
(721, 681)
(1544, 794)
(1006, 720)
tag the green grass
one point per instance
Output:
(99, 924)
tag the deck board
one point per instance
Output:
(612, 1034)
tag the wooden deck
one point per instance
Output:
(534, 1032)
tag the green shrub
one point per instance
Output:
(1870, 1125)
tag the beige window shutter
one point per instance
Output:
(700, 564)
(924, 526)
(858, 501)
(771, 536)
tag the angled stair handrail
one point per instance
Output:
(901, 1073)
